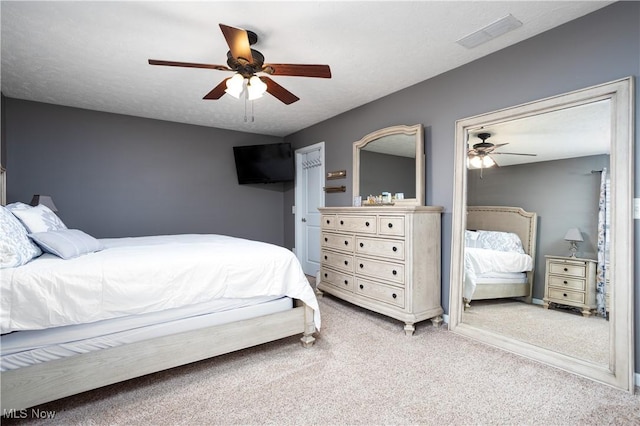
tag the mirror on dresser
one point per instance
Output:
(558, 317)
(390, 160)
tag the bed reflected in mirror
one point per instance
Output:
(534, 227)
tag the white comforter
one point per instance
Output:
(483, 261)
(147, 274)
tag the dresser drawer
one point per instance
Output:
(337, 260)
(328, 221)
(393, 249)
(336, 279)
(384, 293)
(566, 268)
(566, 296)
(568, 283)
(386, 271)
(391, 225)
(337, 241)
(365, 224)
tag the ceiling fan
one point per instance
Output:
(246, 63)
(480, 154)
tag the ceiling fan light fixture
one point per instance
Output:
(235, 85)
(475, 162)
(256, 88)
(488, 161)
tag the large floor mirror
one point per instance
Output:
(543, 232)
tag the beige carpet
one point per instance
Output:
(559, 329)
(362, 370)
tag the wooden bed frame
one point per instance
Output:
(33, 385)
(505, 219)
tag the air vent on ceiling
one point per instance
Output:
(491, 31)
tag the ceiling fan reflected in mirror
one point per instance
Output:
(247, 63)
(480, 154)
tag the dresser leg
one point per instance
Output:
(409, 328)
(586, 313)
(436, 321)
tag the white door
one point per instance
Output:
(309, 188)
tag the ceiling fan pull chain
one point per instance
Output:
(245, 109)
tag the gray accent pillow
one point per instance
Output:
(66, 243)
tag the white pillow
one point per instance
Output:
(39, 219)
(17, 206)
(499, 241)
(15, 247)
(66, 243)
(470, 238)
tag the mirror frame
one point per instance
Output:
(620, 371)
(415, 130)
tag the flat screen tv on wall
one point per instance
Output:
(264, 163)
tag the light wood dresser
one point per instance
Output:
(384, 258)
(570, 281)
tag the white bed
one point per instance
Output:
(505, 273)
(141, 305)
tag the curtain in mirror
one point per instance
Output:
(604, 220)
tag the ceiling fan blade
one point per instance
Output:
(238, 41)
(298, 70)
(513, 153)
(189, 65)
(279, 92)
(218, 91)
(498, 145)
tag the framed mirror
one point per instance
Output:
(390, 160)
(564, 186)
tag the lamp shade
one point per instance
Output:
(235, 86)
(573, 234)
(45, 200)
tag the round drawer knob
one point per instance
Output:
(566, 270)
(328, 222)
(325, 258)
(326, 239)
(391, 225)
(346, 262)
(341, 222)
(394, 272)
(564, 294)
(395, 296)
(361, 266)
(361, 286)
(366, 223)
(325, 275)
(361, 244)
(346, 243)
(395, 249)
(565, 282)
(346, 282)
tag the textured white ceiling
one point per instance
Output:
(577, 131)
(94, 55)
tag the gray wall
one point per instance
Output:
(597, 48)
(113, 175)
(564, 194)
